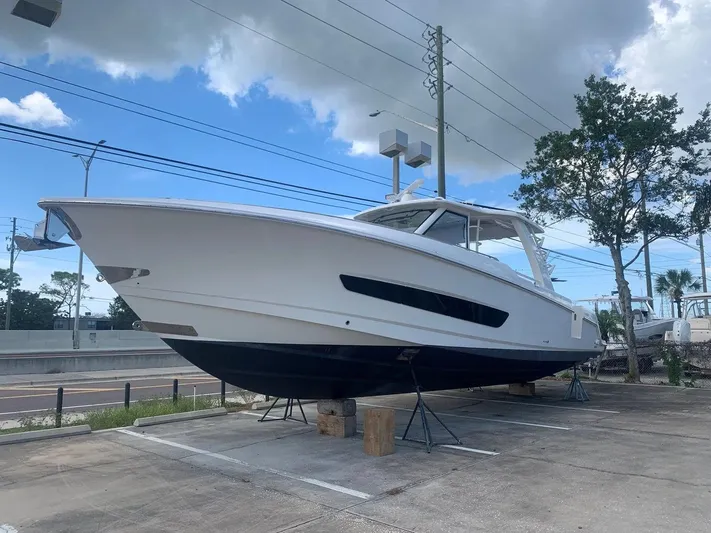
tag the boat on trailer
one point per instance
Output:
(303, 305)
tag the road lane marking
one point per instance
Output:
(531, 404)
(274, 471)
(88, 391)
(495, 420)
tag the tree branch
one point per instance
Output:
(641, 249)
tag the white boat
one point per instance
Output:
(648, 328)
(304, 305)
(698, 314)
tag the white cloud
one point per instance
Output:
(544, 47)
(36, 109)
(672, 57)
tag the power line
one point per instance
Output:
(472, 56)
(408, 13)
(417, 43)
(457, 90)
(353, 78)
(188, 176)
(499, 96)
(185, 126)
(472, 140)
(507, 82)
(396, 58)
(183, 163)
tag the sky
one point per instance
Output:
(198, 60)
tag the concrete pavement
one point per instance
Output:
(635, 458)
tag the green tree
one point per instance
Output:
(5, 277)
(595, 173)
(62, 290)
(122, 316)
(673, 283)
(29, 311)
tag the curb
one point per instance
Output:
(196, 372)
(41, 434)
(258, 406)
(178, 417)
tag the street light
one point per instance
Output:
(379, 111)
(394, 143)
(43, 12)
(77, 306)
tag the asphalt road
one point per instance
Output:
(19, 400)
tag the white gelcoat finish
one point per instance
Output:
(255, 274)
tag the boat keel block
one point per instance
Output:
(288, 412)
(522, 389)
(344, 407)
(336, 426)
(576, 391)
(422, 406)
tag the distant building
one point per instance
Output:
(89, 322)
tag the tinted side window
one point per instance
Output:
(426, 300)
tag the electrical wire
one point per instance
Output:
(371, 45)
(235, 176)
(353, 78)
(183, 175)
(382, 181)
(472, 56)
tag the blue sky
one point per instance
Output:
(30, 173)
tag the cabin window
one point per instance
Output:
(407, 221)
(426, 300)
(450, 228)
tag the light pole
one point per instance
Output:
(77, 306)
(394, 143)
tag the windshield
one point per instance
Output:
(450, 228)
(407, 221)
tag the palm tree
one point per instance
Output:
(673, 284)
(610, 325)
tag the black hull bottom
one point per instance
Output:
(330, 372)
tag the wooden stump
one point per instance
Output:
(379, 432)
(336, 426)
(522, 389)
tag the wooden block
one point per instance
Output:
(522, 389)
(379, 432)
(336, 426)
(345, 407)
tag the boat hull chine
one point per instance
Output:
(331, 371)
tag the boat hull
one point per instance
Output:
(333, 371)
(310, 306)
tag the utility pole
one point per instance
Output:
(441, 189)
(645, 241)
(703, 271)
(8, 304)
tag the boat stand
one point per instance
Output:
(288, 412)
(423, 407)
(576, 391)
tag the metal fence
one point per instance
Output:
(659, 363)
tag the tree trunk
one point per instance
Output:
(623, 289)
(678, 307)
(600, 359)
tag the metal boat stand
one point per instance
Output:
(288, 412)
(423, 407)
(576, 391)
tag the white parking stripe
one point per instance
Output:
(531, 404)
(495, 420)
(221, 457)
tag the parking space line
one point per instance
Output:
(288, 475)
(521, 403)
(497, 421)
